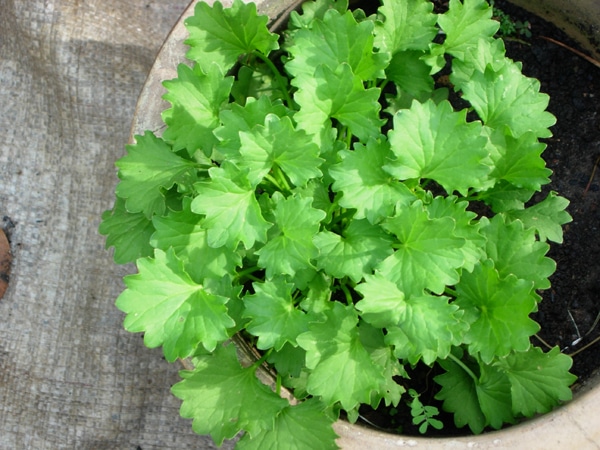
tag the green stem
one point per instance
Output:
(248, 273)
(450, 292)
(464, 367)
(347, 293)
(281, 178)
(263, 358)
(280, 79)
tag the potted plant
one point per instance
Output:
(349, 212)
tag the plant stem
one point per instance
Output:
(281, 178)
(280, 80)
(464, 367)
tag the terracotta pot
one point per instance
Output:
(575, 425)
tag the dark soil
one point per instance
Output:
(568, 311)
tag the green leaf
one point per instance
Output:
(149, 168)
(465, 23)
(411, 75)
(466, 226)
(361, 247)
(515, 250)
(127, 232)
(406, 25)
(520, 162)
(339, 94)
(273, 316)
(291, 246)
(232, 211)
(498, 311)
(546, 217)
(383, 304)
(428, 253)
(342, 370)
(315, 10)
(196, 98)
(506, 98)
(305, 426)
(221, 35)
(239, 118)
(477, 402)
(163, 302)
(335, 40)
(433, 141)
(366, 186)
(183, 231)
(539, 381)
(428, 328)
(279, 144)
(223, 398)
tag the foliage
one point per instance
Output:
(321, 193)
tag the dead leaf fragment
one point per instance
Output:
(5, 260)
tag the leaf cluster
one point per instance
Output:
(325, 194)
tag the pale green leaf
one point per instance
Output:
(336, 39)
(163, 302)
(354, 254)
(127, 232)
(291, 246)
(341, 368)
(433, 141)
(273, 316)
(183, 231)
(539, 381)
(428, 253)
(196, 98)
(339, 94)
(405, 25)
(546, 217)
(232, 211)
(149, 168)
(219, 35)
(305, 426)
(498, 311)
(223, 398)
(366, 186)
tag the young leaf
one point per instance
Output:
(335, 40)
(196, 98)
(433, 141)
(232, 211)
(338, 93)
(183, 231)
(366, 186)
(406, 25)
(342, 370)
(150, 167)
(354, 254)
(163, 302)
(465, 23)
(428, 253)
(305, 426)
(273, 317)
(223, 398)
(221, 35)
(546, 217)
(279, 144)
(515, 250)
(291, 248)
(127, 232)
(497, 310)
(539, 381)
(315, 10)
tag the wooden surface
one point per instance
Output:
(70, 376)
